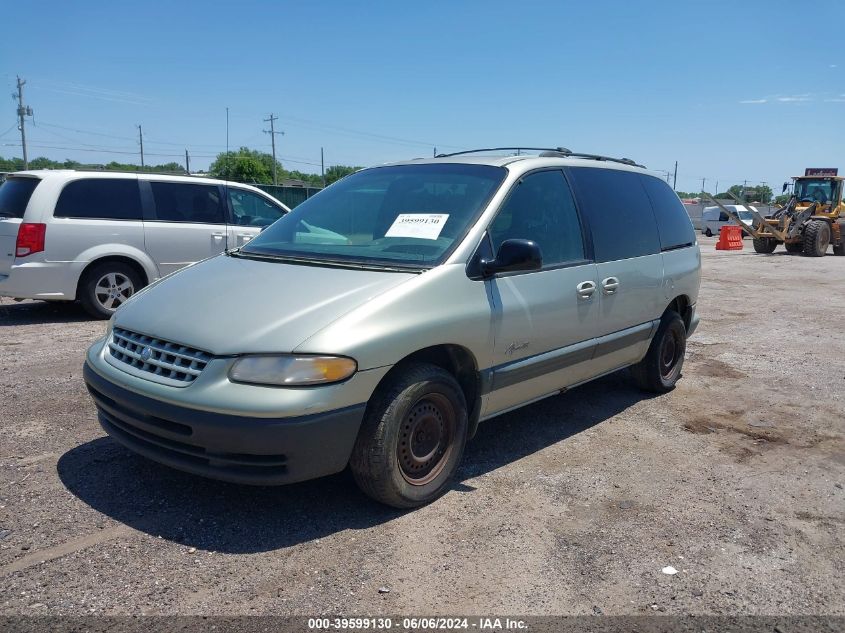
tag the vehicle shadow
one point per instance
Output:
(232, 518)
(35, 312)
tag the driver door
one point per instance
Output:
(544, 322)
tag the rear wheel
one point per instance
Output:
(708, 233)
(765, 245)
(661, 367)
(839, 250)
(412, 437)
(816, 238)
(794, 247)
(105, 287)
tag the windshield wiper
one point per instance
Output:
(329, 263)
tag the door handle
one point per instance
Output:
(218, 236)
(585, 289)
(610, 285)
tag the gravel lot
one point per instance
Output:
(573, 505)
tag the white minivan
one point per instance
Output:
(713, 218)
(98, 237)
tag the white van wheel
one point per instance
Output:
(106, 287)
(708, 232)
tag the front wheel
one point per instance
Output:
(816, 238)
(412, 437)
(794, 247)
(661, 368)
(708, 233)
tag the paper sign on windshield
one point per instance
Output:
(425, 226)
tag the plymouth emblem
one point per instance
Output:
(146, 353)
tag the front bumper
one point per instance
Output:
(240, 449)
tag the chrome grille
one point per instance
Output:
(155, 359)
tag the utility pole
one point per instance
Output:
(703, 180)
(322, 167)
(717, 189)
(141, 139)
(227, 142)
(434, 155)
(23, 111)
(187, 162)
(675, 179)
(744, 186)
(272, 132)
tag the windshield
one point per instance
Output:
(14, 196)
(405, 215)
(815, 190)
(745, 215)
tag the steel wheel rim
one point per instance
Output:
(112, 290)
(425, 439)
(669, 352)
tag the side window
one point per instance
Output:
(185, 202)
(618, 212)
(541, 208)
(723, 217)
(673, 221)
(249, 209)
(100, 198)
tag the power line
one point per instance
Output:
(78, 131)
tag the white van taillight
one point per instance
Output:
(30, 239)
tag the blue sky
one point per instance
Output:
(731, 90)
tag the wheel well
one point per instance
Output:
(459, 362)
(681, 305)
(142, 274)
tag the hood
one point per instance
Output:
(227, 305)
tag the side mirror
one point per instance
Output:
(513, 256)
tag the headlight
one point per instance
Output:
(291, 370)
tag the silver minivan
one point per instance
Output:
(462, 287)
(98, 237)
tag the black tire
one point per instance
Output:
(816, 238)
(412, 437)
(839, 250)
(708, 233)
(765, 245)
(794, 247)
(661, 368)
(103, 288)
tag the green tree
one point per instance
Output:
(246, 165)
(336, 172)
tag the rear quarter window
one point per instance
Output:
(673, 223)
(14, 196)
(618, 212)
(101, 199)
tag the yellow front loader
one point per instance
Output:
(812, 219)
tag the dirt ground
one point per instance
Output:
(573, 505)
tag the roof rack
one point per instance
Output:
(547, 152)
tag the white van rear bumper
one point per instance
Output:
(40, 280)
